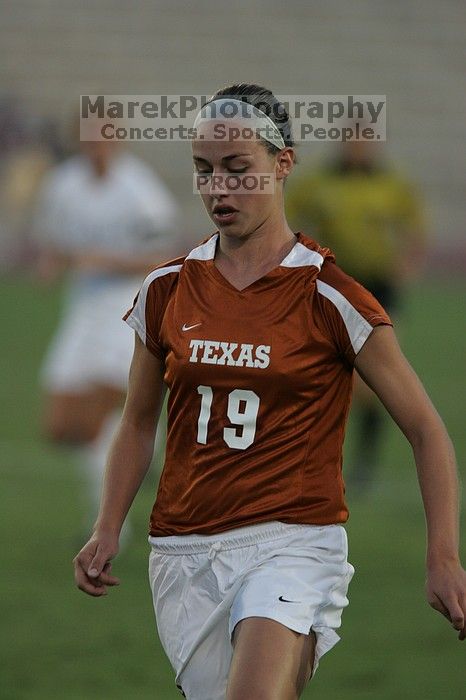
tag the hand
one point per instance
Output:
(446, 592)
(92, 565)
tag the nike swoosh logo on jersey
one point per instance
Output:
(188, 328)
(284, 600)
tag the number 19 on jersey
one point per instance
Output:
(242, 410)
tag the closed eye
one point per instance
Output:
(230, 170)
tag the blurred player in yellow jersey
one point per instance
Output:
(356, 202)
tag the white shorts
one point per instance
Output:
(203, 586)
(92, 345)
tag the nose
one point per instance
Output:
(217, 185)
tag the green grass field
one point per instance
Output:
(59, 644)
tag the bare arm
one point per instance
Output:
(128, 461)
(385, 369)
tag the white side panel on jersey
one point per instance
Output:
(206, 251)
(356, 325)
(300, 256)
(137, 318)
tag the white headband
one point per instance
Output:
(230, 108)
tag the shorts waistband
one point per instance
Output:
(230, 539)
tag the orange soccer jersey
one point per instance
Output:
(260, 385)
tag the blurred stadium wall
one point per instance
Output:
(53, 50)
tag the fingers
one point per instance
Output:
(91, 585)
(454, 612)
(437, 604)
(104, 577)
(446, 592)
(97, 585)
(99, 561)
(92, 569)
(457, 617)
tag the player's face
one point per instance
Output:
(97, 151)
(240, 182)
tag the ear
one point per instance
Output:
(284, 163)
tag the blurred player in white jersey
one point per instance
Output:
(104, 218)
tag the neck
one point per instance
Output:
(263, 247)
(99, 168)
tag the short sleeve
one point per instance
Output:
(147, 313)
(348, 312)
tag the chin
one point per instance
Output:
(234, 230)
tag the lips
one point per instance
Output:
(224, 214)
(223, 209)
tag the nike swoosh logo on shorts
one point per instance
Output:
(188, 328)
(284, 600)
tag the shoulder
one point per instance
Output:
(167, 274)
(140, 178)
(345, 310)
(344, 293)
(62, 176)
(163, 276)
(396, 181)
(332, 277)
(308, 253)
(310, 177)
(152, 300)
(131, 167)
(157, 291)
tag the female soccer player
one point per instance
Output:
(256, 333)
(103, 215)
